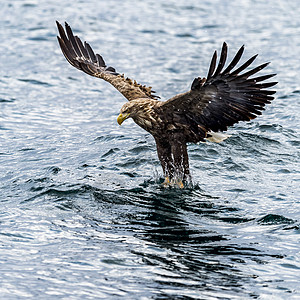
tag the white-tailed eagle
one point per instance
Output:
(225, 97)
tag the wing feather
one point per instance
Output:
(261, 78)
(235, 60)
(72, 41)
(222, 59)
(82, 57)
(100, 61)
(91, 53)
(82, 50)
(212, 65)
(253, 71)
(244, 65)
(224, 99)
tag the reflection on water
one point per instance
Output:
(185, 253)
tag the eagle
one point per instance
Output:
(226, 96)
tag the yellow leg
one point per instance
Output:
(166, 182)
(180, 184)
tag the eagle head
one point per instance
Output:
(140, 110)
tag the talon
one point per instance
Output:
(180, 184)
(177, 182)
(167, 182)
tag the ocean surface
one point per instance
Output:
(83, 214)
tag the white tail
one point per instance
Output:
(217, 137)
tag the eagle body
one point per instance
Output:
(226, 96)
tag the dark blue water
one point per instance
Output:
(82, 212)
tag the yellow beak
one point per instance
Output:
(121, 118)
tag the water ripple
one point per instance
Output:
(83, 212)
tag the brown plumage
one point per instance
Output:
(222, 99)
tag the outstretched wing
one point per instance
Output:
(82, 57)
(224, 98)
